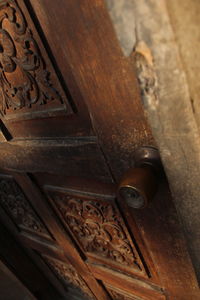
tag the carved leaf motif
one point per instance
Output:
(14, 202)
(68, 275)
(24, 79)
(98, 227)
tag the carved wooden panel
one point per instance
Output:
(99, 229)
(118, 295)
(15, 203)
(27, 79)
(69, 276)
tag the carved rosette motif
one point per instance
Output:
(15, 203)
(68, 275)
(98, 227)
(24, 79)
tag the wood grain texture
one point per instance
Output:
(173, 120)
(104, 75)
(84, 153)
(71, 157)
(163, 82)
(132, 287)
(187, 35)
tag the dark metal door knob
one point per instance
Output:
(139, 184)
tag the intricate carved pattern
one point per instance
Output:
(68, 275)
(98, 227)
(14, 202)
(24, 79)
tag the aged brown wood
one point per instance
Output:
(73, 157)
(104, 75)
(22, 214)
(66, 138)
(140, 288)
(14, 256)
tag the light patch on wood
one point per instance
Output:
(146, 75)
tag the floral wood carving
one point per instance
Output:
(68, 275)
(99, 228)
(25, 80)
(17, 206)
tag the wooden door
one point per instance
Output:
(71, 119)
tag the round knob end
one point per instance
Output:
(139, 185)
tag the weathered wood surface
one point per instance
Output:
(184, 17)
(166, 51)
(71, 157)
(61, 200)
